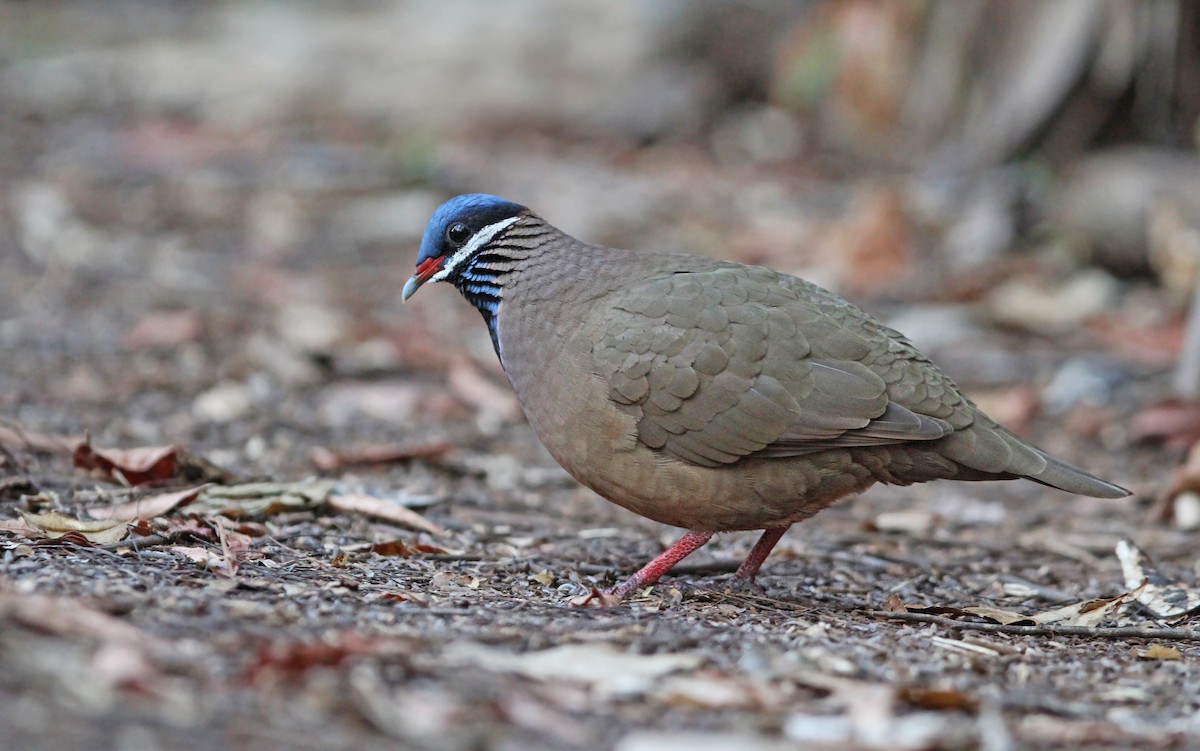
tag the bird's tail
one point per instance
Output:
(992, 452)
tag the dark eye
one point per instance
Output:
(458, 233)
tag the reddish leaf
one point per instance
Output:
(292, 660)
(136, 466)
(395, 548)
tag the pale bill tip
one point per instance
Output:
(410, 288)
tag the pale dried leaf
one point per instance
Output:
(380, 508)
(262, 498)
(20, 527)
(1160, 595)
(1087, 614)
(208, 558)
(57, 524)
(1001, 616)
(916, 522)
(146, 508)
(602, 666)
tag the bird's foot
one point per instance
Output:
(745, 585)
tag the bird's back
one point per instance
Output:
(764, 397)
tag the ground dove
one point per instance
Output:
(711, 395)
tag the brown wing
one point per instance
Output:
(721, 364)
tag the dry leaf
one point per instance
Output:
(713, 690)
(56, 524)
(1158, 594)
(210, 559)
(14, 437)
(1001, 616)
(328, 460)
(1088, 614)
(916, 522)
(262, 498)
(379, 508)
(146, 508)
(417, 598)
(946, 699)
(292, 660)
(1158, 651)
(602, 665)
(134, 466)
(894, 604)
(597, 598)
(20, 527)
(395, 548)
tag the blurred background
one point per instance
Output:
(209, 208)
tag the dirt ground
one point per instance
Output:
(369, 549)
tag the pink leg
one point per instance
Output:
(749, 568)
(650, 573)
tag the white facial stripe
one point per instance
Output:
(475, 243)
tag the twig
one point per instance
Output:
(1113, 632)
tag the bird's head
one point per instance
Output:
(457, 231)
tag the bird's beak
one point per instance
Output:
(425, 269)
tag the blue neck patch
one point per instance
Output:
(482, 289)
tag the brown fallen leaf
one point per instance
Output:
(380, 508)
(938, 699)
(132, 466)
(396, 548)
(416, 598)
(289, 661)
(56, 524)
(329, 460)
(597, 598)
(146, 508)
(894, 604)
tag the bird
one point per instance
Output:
(706, 394)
